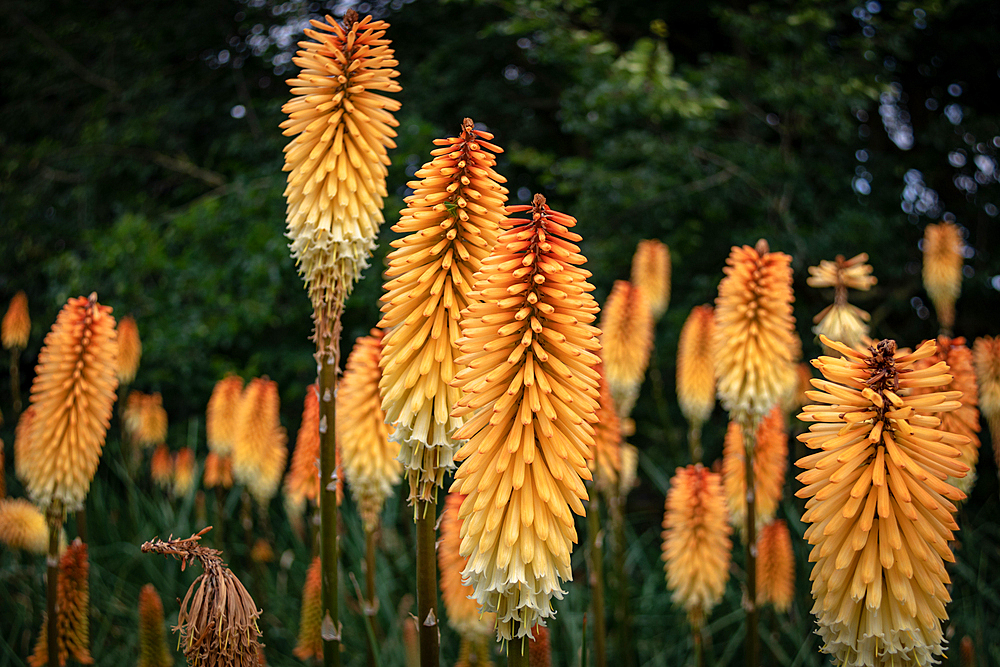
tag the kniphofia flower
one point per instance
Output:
(944, 254)
(310, 644)
(627, 341)
(879, 506)
(22, 526)
(770, 461)
(539, 651)
(73, 611)
(259, 451)
(531, 390)
(22, 433)
(185, 467)
(153, 651)
(72, 395)
(843, 274)
(754, 335)
(775, 566)
(370, 464)
(463, 612)
(696, 366)
(302, 479)
(161, 466)
(628, 477)
(696, 544)
(220, 417)
(16, 325)
(337, 161)
(145, 418)
(451, 223)
(651, 274)
(986, 360)
(607, 460)
(840, 320)
(218, 471)
(129, 350)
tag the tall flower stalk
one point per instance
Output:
(14, 331)
(531, 395)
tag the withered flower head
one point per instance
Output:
(337, 161)
(22, 526)
(259, 450)
(185, 467)
(775, 566)
(370, 464)
(310, 644)
(769, 463)
(145, 418)
(696, 545)
(218, 471)
(220, 417)
(129, 350)
(16, 325)
(879, 506)
(696, 365)
(451, 223)
(463, 612)
(153, 651)
(986, 359)
(944, 254)
(531, 390)
(72, 395)
(651, 274)
(73, 611)
(607, 460)
(161, 466)
(627, 341)
(754, 335)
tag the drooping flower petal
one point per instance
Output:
(842, 322)
(463, 612)
(651, 274)
(696, 365)
(627, 342)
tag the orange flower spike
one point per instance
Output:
(531, 393)
(153, 651)
(259, 451)
(627, 341)
(16, 325)
(22, 433)
(880, 510)
(22, 526)
(651, 274)
(965, 420)
(370, 456)
(775, 566)
(607, 461)
(769, 465)
(129, 350)
(986, 360)
(72, 395)
(220, 416)
(342, 127)
(310, 644)
(944, 255)
(161, 466)
(218, 471)
(463, 612)
(451, 223)
(73, 605)
(696, 544)
(145, 418)
(755, 330)
(302, 479)
(185, 467)
(539, 650)
(696, 366)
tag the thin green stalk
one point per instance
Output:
(517, 652)
(623, 617)
(596, 539)
(749, 443)
(371, 603)
(15, 380)
(427, 616)
(81, 524)
(329, 547)
(694, 442)
(696, 620)
(54, 519)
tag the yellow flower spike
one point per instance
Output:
(965, 420)
(451, 223)
(370, 456)
(22, 526)
(769, 464)
(73, 611)
(696, 373)
(16, 325)
(627, 341)
(696, 544)
(220, 416)
(310, 644)
(986, 360)
(185, 467)
(218, 471)
(22, 433)
(342, 124)
(531, 394)
(754, 334)
(944, 255)
(463, 612)
(153, 651)
(145, 418)
(129, 350)
(880, 508)
(607, 461)
(259, 450)
(775, 566)
(161, 466)
(628, 478)
(72, 395)
(651, 274)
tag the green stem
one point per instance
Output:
(329, 547)
(597, 581)
(517, 652)
(623, 618)
(15, 380)
(81, 524)
(694, 442)
(749, 443)
(427, 616)
(371, 604)
(697, 629)
(54, 519)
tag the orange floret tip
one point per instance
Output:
(72, 396)
(627, 342)
(775, 566)
(342, 126)
(879, 507)
(755, 331)
(220, 417)
(129, 350)
(450, 222)
(153, 651)
(16, 325)
(944, 255)
(370, 455)
(259, 451)
(696, 366)
(531, 395)
(651, 274)
(73, 611)
(463, 612)
(310, 644)
(770, 460)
